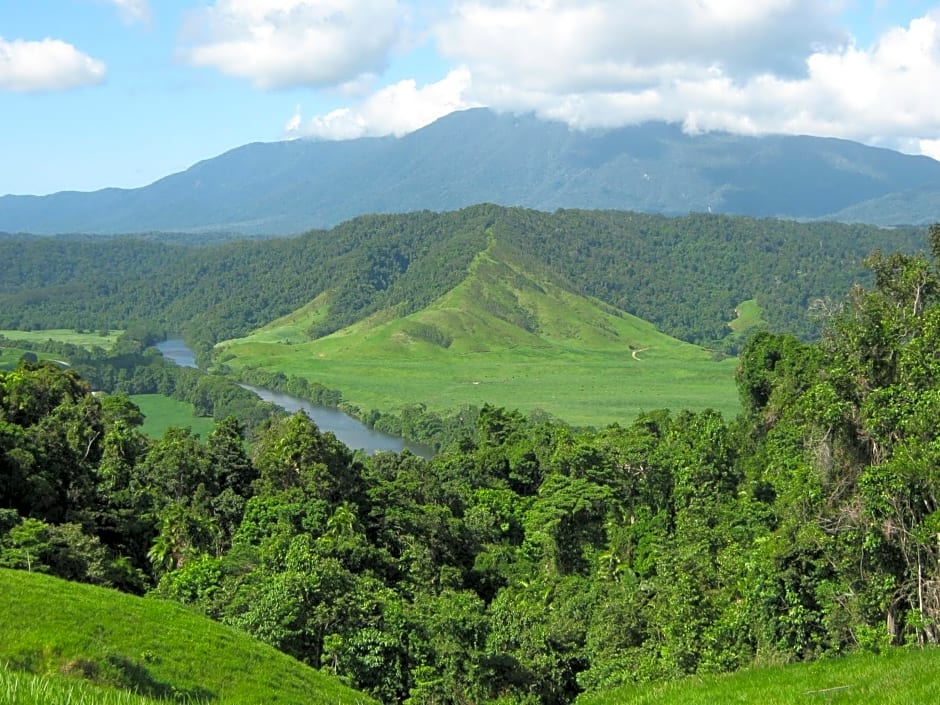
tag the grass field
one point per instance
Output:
(161, 412)
(65, 631)
(571, 356)
(10, 357)
(86, 340)
(898, 677)
(26, 689)
(750, 316)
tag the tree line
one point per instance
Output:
(686, 275)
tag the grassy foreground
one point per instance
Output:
(70, 633)
(506, 337)
(897, 677)
(161, 412)
(26, 689)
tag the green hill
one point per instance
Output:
(63, 630)
(897, 677)
(685, 275)
(511, 333)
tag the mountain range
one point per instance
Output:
(479, 156)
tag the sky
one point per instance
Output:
(100, 93)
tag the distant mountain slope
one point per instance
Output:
(151, 647)
(479, 156)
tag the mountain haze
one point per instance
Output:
(480, 156)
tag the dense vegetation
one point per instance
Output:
(686, 275)
(131, 367)
(528, 562)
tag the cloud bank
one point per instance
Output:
(292, 43)
(747, 66)
(46, 65)
(394, 110)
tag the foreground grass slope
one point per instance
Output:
(26, 689)
(897, 677)
(158, 649)
(510, 334)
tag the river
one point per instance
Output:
(346, 428)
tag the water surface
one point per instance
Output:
(347, 429)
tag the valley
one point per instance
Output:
(501, 337)
(469, 352)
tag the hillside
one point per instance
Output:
(480, 156)
(154, 648)
(897, 677)
(685, 275)
(510, 334)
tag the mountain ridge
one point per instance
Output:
(478, 156)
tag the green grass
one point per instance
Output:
(505, 337)
(66, 632)
(26, 689)
(86, 340)
(897, 677)
(749, 316)
(10, 357)
(161, 412)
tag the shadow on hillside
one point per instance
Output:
(133, 676)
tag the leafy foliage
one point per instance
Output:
(528, 561)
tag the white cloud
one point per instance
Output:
(292, 126)
(47, 65)
(930, 148)
(397, 109)
(290, 43)
(752, 66)
(572, 45)
(133, 10)
(879, 94)
(745, 66)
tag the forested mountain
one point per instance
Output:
(479, 156)
(528, 562)
(686, 275)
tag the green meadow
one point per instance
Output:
(896, 677)
(10, 357)
(504, 337)
(65, 634)
(86, 339)
(161, 412)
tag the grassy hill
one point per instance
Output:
(66, 631)
(897, 677)
(510, 334)
(686, 275)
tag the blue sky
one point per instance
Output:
(97, 93)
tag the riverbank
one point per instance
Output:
(346, 428)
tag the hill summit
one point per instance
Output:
(479, 156)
